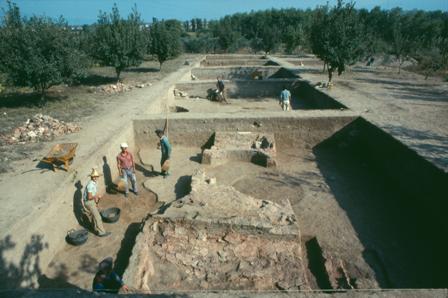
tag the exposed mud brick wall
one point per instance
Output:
(238, 88)
(188, 255)
(289, 132)
(228, 73)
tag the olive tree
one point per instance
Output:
(38, 52)
(165, 42)
(118, 42)
(336, 36)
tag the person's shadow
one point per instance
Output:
(111, 187)
(78, 206)
(107, 173)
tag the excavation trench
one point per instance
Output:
(237, 224)
(244, 189)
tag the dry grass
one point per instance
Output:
(70, 103)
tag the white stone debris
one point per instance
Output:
(39, 128)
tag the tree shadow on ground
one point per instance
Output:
(426, 93)
(97, 80)
(434, 144)
(88, 264)
(27, 272)
(393, 82)
(142, 69)
(28, 99)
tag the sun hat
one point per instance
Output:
(124, 145)
(94, 173)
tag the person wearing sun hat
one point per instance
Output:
(90, 200)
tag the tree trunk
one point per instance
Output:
(330, 74)
(118, 72)
(42, 95)
(160, 67)
(325, 66)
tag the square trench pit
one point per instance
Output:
(245, 95)
(334, 213)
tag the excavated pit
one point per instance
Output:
(360, 217)
(241, 73)
(258, 148)
(345, 207)
(255, 94)
(238, 60)
(220, 239)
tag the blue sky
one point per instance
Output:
(79, 12)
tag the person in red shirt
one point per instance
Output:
(126, 168)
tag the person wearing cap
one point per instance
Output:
(165, 147)
(90, 200)
(107, 280)
(126, 168)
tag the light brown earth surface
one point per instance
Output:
(410, 108)
(337, 200)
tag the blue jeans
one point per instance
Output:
(129, 174)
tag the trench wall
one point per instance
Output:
(210, 73)
(228, 62)
(237, 88)
(312, 97)
(290, 132)
(233, 57)
(308, 96)
(420, 182)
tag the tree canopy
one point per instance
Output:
(118, 42)
(164, 39)
(38, 52)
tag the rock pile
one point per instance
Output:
(120, 87)
(40, 128)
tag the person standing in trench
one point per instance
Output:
(165, 148)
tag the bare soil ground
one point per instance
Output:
(338, 200)
(201, 105)
(76, 103)
(410, 108)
